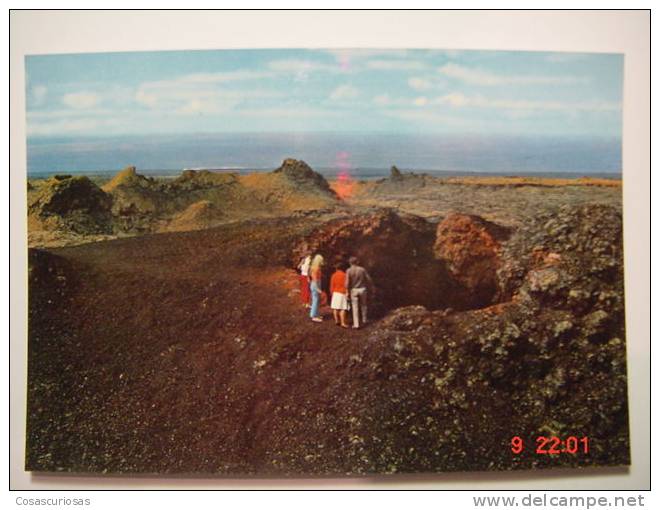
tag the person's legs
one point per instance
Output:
(344, 318)
(316, 298)
(363, 305)
(354, 305)
(304, 290)
(335, 314)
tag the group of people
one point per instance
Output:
(350, 285)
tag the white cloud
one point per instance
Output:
(341, 53)
(40, 115)
(81, 100)
(430, 116)
(418, 83)
(453, 53)
(197, 92)
(207, 106)
(382, 99)
(225, 77)
(453, 99)
(301, 66)
(197, 87)
(286, 112)
(387, 101)
(396, 65)
(39, 93)
(457, 100)
(60, 127)
(560, 58)
(475, 76)
(344, 92)
(420, 101)
(68, 126)
(146, 97)
(300, 70)
(351, 60)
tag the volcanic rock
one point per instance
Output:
(301, 173)
(128, 177)
(395, 174)
(211, 389)
(521, 365)
(470, 246)
(585, 244)
(397, 183)
(71, 203)
(137, 200)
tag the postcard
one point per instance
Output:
(296, 262)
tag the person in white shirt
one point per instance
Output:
(303, 269)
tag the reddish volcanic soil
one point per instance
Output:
(158, 354)
(191, 352)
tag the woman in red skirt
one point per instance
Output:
(303, 268)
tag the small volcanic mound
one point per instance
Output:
(301, 173)
(70, 210)
(128, 177)
(191, 180)
(397, 182)
(200, 215)
(292, 187)
(137, 201)
(395, 174)
(71, 203)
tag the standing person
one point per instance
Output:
(315, 287)
(303, 267)
(358, 282)
(339, 303)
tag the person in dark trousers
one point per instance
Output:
(359, 284)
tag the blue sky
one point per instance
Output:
(375, 91)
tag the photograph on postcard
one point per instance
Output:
(295, 262)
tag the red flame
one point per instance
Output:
(344, 186)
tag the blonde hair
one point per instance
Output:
(317, 261)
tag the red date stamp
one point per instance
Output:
(552, 445)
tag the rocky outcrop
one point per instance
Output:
(397, 183)
(302, 174)
(564, 257)
(470, 246)
(71, 210)
(395, 174)
(70, 203)
(550, 361)
(137, 201)
(128, 178)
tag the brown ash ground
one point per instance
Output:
(190, 353)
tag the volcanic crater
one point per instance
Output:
(189, 351)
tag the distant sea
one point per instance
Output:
(363, 156)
